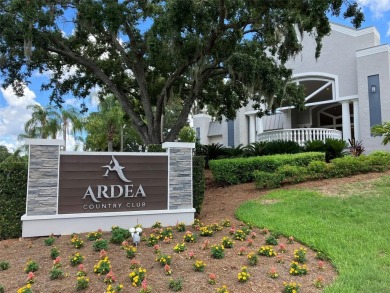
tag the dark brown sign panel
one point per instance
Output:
(112, 183)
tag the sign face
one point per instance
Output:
(112, 183)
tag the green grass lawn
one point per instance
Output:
(351, 227)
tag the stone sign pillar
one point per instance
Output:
(180, 174)
(42, 186)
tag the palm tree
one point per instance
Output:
(44, 122)
(71, 120)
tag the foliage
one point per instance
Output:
(118, 235)
(56, 273)
(317, 169)
(266, 251)
(267, 179)
(239, 170)
(31, 266)
(44, 122)
(4, 153)
(175, 284)
(206, 231)
(334, 148)
(382, 130)
(54, 252)
(100, 244)
(211, 152)
(314, 146)
(155, 148)
(130, 251)
(291, 287)
(25, 289)
(235, 152)
(217, 251)
(13, 189)
(252, 259)
(198, 182)
(199, 266)
(2, 290)
(76, 241)
(239, 235)
(91, 236)
(227, 242)
(76, 259)
(82, 283)
(190, 237)
(355, 147)
(4, 265)
(150, 53)
(187, 134)
(271, 240)
(300, 255)
(243, 276)
(102, 267)
(181, 227)
(49, 241)
(137, 276)
(164, 259)
(180, 247)
(297, 270)
(255, 149)
(294, 174)
(282, 147)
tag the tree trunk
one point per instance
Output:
(109, 145)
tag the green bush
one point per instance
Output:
(240, 170)
(187, 134)
(118, 235)
(211, 152)
(282, 147)
(198, 182)
(317, 169)
(155, 148)
(13, 189)
(294, 174)
(314, 146)
(267, 179)
(334, 148)
(255, 149)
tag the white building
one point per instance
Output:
(347, 92)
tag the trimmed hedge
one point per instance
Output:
(13, 189)
(240, 170)
(340, 167)
(198, 182)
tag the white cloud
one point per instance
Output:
(378, 7)
(388, 29)
(14, 115)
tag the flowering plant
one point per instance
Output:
(102, 254)
(152, 240)
(81, 271)
(321, 265)
(31, 266)
(137, 276)
(290, 240)
(216, 227)
(166, 233)
(30, 278)
(212, 277)
(271, 240)
(239, 235)
(110, 277)
(205, 244)
(180, 247)
(264, 231)
(91, 236)
(252, 259)
(227, 242)
(163, 259)
(156, 248)
(191, 254)
(250, 242)
(199, 266)
(131, 251)
(49, 241)
(112, 289)
(134, 263)
(156, 225)
(300, 255)
(167, 270)
(273, 273)
(319, 282)
(54, 252)
(82, 283)
(225, 223)
(217, 251)
(76, 259)
(266, 251)
(282, 248)
(189, 237)
(223, 289)
(76, 241)
(102, 267)
(181, 227)
(243, 276)
(25, 289)
(297, 270)
(242, 250)
(291, 287)
(206, 231)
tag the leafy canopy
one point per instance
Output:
(147, 52)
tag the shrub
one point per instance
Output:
(240, 170)
(118, 235)
(314, 146)
(175, 285)
(100, 244)
(282, 147)
(355, 147)
(198, 182)
(255, 149)
(4, 265)
(54, 252)
(49, 241)
(211, 152)
(13, 187)
(294, 174)
(187, 134)
(235, 152)
(317, 169)
(334, 148)
(267, 179)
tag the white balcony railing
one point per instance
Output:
(300, 135)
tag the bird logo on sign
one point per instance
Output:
(117, 168)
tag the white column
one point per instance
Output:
(356, 124)
(346, 120)
(252, 128)
(259, 125)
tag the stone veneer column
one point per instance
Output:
(179, 174)
(42, 185)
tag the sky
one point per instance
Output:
(13, 112)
